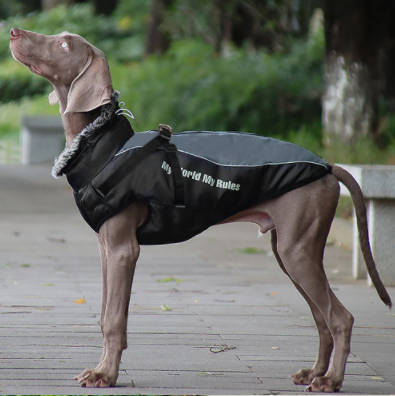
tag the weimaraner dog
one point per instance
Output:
(299, 220)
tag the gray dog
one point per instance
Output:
(299, 220)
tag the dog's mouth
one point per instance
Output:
(20, 52)
(35, 69)
(31, 67)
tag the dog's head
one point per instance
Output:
(77, 70)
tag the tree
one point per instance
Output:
(158, 39)
(359, 49)
(254, 23)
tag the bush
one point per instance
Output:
(17, 81)
(10, 113)
(118, 37)
(191, 88)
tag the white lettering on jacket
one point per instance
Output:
(197, 176)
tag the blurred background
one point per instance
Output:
(314, 72)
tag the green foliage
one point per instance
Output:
(132, 14)
(308, 136)
(119, 37)
(10, 114)
(192, 88)
(364, 151)
(8, 8)
(269, 24)
(17, 81)
(387, 128)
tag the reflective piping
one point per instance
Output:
(234, 166)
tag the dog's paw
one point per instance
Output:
(93, 378)
(303, 377)
(324, 384)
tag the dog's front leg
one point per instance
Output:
(103, 257)
(118, 244)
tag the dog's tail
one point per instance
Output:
(360, 212)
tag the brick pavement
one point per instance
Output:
(205, 316)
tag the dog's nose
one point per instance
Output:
(14, 33)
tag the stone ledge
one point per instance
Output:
(376, 181)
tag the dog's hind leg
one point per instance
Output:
(305, 376)
(303, 218)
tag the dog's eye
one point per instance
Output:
(64, 45)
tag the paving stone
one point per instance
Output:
(236, 326)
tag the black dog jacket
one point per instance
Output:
(189, 181)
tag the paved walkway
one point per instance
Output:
(206, 316)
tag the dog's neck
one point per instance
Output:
(74, 123)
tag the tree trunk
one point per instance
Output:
(350, 101)
(354, 30)
(157, 39)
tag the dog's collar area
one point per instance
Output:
(97, 151)
(106, 119)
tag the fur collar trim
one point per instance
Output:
(69, 153)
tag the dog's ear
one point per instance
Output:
(53, 98)
(92, 87)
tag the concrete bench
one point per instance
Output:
(378, 186)
(42, 138)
